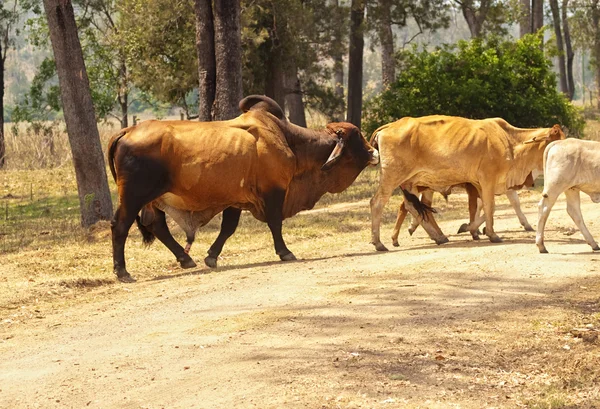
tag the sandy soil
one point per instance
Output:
(466, 324)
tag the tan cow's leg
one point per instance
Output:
(378, 202)
(488, 198)
(574, 210)
(475, 217)
(513, 198)
(402, 212)
(543, 212)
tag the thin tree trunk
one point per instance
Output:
(275, 76)
(564, 88)
(88, 159)
(294, 101)
(525, 18)
(207, 67)
(537, 10)
(123, 96)
(386, 37)
(475, 17)
(228, 57)
(2, 139)
(596, 48)
(568, 49)
(338, 78)
(355, 62)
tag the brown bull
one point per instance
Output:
(438, 152)
(258, 162)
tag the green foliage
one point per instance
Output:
(477, 79)
(159, 40)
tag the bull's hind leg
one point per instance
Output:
(274, 214)
(574, 210)
(160, 229)
(231, 218)
(140, 181)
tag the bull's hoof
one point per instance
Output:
(187, 262)
(528, 228)
(463, 228)
(210, 262)
(127, 278)
(442, 240)
(380, 247)
(288, 257)
(411, 231)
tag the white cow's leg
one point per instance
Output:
(378, 202)
(574, 210)
(513, 198)
(544, 208)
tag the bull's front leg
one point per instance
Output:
(229, 223)
(274, 215)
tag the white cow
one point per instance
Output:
(570, 166)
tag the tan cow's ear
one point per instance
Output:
(335, 154)
(537, 139)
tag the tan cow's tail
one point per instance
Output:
(421, 207)
(112, 147)
(374, 140)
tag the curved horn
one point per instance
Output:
(336, 153)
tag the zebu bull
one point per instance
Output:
(258, 162)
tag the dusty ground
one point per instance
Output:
(464, 325)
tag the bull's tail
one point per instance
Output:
(112, 147)
(421, 207)
(147, 236)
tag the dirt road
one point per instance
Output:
(463, 325)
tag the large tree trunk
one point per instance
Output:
(564, 88)
(525, 18)
(568, 49)
(88, 159)
(386, 37)
(293, 99)
(355, 62)
(2, 139)
(228, 57)
(473, 16)
(207, 68)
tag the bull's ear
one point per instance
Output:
(335, 154)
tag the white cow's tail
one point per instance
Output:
(544, 163)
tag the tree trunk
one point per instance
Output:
(2, 139)
(386, 37)
(525, 18)
(472, 22)
(569, 50)
(564, 88)
(207, 67)
(123, 95)
(596, 48)
(228, 58)
(338, 78)
(537, 10)
(88, 159)
(275, 75)
(293, 99)
(355, 62)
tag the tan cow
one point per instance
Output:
(258, 162)
(440, 152)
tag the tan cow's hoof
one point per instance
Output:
(543, 250)
(395, 243)
(463, 228)
(495, 239)
(442, 240)
(380, 247)
(596, 248)
(528, 228)
(210, 262)
(288, 257)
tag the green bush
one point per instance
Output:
(477, 79)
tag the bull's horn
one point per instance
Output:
(335, 155)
